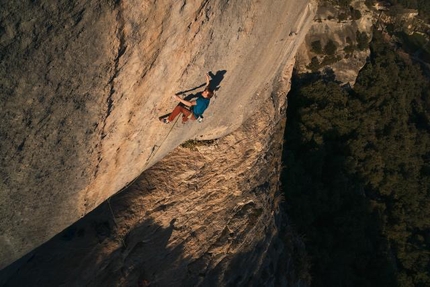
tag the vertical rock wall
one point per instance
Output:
(83, 84)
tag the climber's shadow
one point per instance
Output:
(214, 84)
(216, 79)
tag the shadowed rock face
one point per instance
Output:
(84, 82)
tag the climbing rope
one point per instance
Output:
(154, 152)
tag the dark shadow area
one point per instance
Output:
(325, 203)
(216, 79)
(163, 116)
(92, 253)
(214, 84)
(354, 173)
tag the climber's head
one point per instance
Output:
(208, 93)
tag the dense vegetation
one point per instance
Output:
(423, 6)
(357, 173)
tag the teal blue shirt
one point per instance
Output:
(201, 105)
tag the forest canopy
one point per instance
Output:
(357, 173)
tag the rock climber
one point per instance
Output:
(191, 109)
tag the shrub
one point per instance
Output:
(342, 17)
(362, 40)
(355, 14)
(349, 49)
(316, 47)
(330, 48)
(328, 60)
(314, 65)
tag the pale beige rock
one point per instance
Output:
(84, 82)
(327, 26)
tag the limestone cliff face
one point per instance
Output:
(206, 215)
(84, 82)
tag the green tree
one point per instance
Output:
(355, 14)
(330, 48)
(314, 65)
(316, 47)
(362, 40)
(357, 176)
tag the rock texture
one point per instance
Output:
(206, 215)
(83, 83)
(348, 59)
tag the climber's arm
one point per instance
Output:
(187, 103)
(208, 79)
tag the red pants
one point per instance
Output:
(186, 114)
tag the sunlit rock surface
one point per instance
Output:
(84, 82)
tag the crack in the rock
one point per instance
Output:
(151, 64)
(110, 101)
(200, 9)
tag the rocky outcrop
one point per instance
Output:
(349, 30)
(84, 82)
